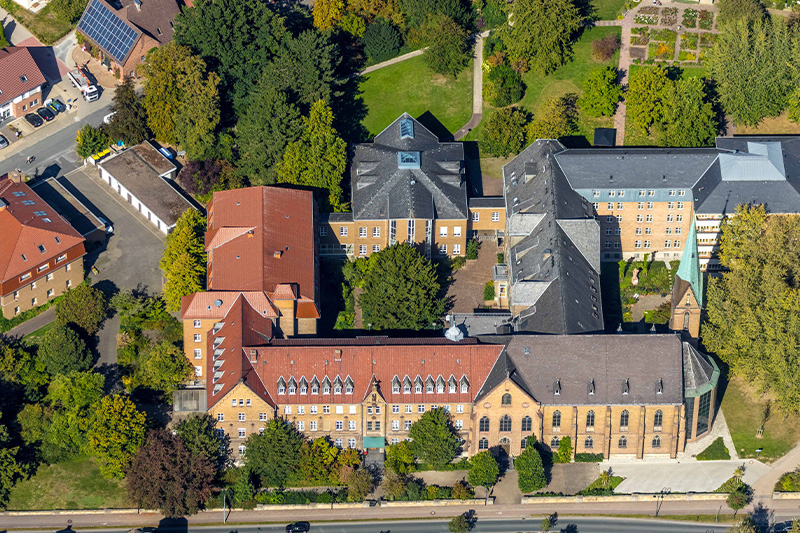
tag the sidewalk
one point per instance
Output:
(29, 326)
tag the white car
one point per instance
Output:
(107, 118)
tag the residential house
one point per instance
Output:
(41, 255)
(21, 82)
(142, 176)
(125, 30)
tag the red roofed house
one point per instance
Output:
(20, 82)
(40, 253)
(263, 272)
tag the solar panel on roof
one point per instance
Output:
(108, 31)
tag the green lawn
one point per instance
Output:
(597, 485)
(742, 409)
(716, 451)
(410, 86)
(34, 338)
(75, 485)
(43, 24)
(567, 79)
(607, 9)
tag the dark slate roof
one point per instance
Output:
(335, 217)
(503, 368)
(605, 136)
(487, 201)
(482, 323)
(633, 168)
(381, 190)
(700, 372)
(555, 256)
(574, 361)
(775, 180)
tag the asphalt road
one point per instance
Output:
(564, 525)
(55, 154)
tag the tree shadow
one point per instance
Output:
(349, 111)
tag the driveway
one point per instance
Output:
(682, 476)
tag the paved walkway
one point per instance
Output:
(766, 483)
(477, 90)
(719, 429)
(390, 62)
(29, 326)
(683, 476)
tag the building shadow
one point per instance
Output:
(472, 166)
(437, 128)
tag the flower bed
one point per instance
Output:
(668, 36)
(669, 16)
(646, 19)
(649, 10)
(707, 39)
(639, 35)
(689, 41)
(661, 51)
(706, 20)
(690, 18)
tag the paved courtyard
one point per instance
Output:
(681, 476)
(469, 280)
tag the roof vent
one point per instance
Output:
(138, 4)
(218, 302)
(277, 254)
(23, 78)
(557, 390)
(526, 350)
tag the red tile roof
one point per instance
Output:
(26, 228)
(412, 358)
(16, 62)
(203, 305)
(280, 249)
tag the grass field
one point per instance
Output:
(75, 485)
(607, 9)
(779, 125)
(743, 408)
(34, 338)
(410, 86)
(43, 24)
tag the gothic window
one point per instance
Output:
(505, 423)
(658, 419)
(588, 442)
(556, 420)
(656, 442)
(623, 419)
(623, 442)
(483, 444)
(506, 400)
(527, 423)
(484, 424)
(590, 419)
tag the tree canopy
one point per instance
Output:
(601, 92)
(83, 307)
(165, 475)
(400, 290)
(184, 259)
(558, 117)
(417, 11)
(433, 438)
(754, 308)
(274, 454)
(646, 96)
(115, 434)
(530, 470)
(90, 141)
(450, 50)
(483, 470)
(690, 119)
(542, 32)
(62, 350)
(129, 123)
(749, 11)
(198, 434)
(399, 457)
(504, 132)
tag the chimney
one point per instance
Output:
(278, 254)
(138, 4)
(253, 356)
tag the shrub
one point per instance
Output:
(472, 248)
(603, 49)
(503, 86)
(493, 12)
(381, 40)
(462, 491)
(715, 452)
(588, 457)
(505, 132)
(500, 258)
(488, 291)
(601, 92)
(530, 468)
(789, 482)
(564, 454)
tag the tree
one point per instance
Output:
(371, 10)
(394, 485)
(244, 490)
(504, 132)
(433, 438)
(90, 141)
(359, 484)
(417, 12)
(318, 158)
(738, 499)
(530, 468)
(198, 434)
(794, 106)
(327, 13)
(203, 178)
(647, 96)
(689, 118)
(459, 524)
(3, 42)
(129, 122)
(542, 32)
(744, 525)
(318, 461)
(503, 86)
(20, 368)
(176, 83)
(381, 40)
(400, 290)
(752, 66)
(166, 368)
(748, 11)
(483, 470)
(236, 38)
(565, 450)
(558, 117)
(274, 454)
(115, 434)
(10, 469)
(399, 458)
(83, 307)
(603, 49)
(62, 351)
(184, 260)
(753, 308)
(601, 92)
(450, 50)
(165, 475)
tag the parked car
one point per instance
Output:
(3, 142)
(46, 113)
(34, 120)
(784, 527)
(298, 527)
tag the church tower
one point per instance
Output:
(687, 290)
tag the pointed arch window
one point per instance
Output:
(483, 425)
(590, 421)
(588, 442)
(554, 442)
(506, 399)
(396, 385)
(623, 442)
(556, 420)
(505, 423)
(656, 442)
(658, 419)
(527, 424)
(452, 385)
(483, 444)
(623, 420)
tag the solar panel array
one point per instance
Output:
(108, 30)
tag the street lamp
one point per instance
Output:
(660, 498)
(758, 452)
(224, 493)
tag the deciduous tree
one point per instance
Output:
(359, 484)
(400, 290)
(542, 32)
(10, 469)
(327, 13)
(504, 132)
(318, 461)
(115, 434)
(166, 368)
(433, 438)
(646, 98)
(749, 11)
(83, 307)
(689, 118)
(274, 454)
(381, 40)
(503, 86)
(90, 141)
(530, 468)
(62, 350)
(558, 117)
(318, 158)
(165, 475)
(129, 123)
(399, 458)
(417, 12)
(198, 434)
(601, 92)
(483, 470)
(450, 50)
(184, 260)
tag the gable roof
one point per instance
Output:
(16, 64)
(554, 259)
(408, 176)
(573, 364)
(689, 269)
(700, 372)
(261, 238)
(28, 226)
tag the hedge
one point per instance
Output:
(588, 457)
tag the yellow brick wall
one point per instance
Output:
(491, 406)
(256, 415)
(484, 222)
(190, 345)
(57, 283)
(450, 240)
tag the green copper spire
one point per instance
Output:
(689, 269)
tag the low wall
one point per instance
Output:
(438, 503)
(786, 495)
(692, 496)
(296, 506)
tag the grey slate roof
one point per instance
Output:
(752, 172)
(632, 168)
(488, 201)
(555, 256)
(700, 373)
(477, 324)
(575, 361)
(381, 189)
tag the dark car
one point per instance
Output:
(58, 105)
(784, 527)
(46, 114)
(3, 142)
(298, 527)
(34, 120)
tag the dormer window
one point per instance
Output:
(557, 390)
(626, 387)
(337, 385)
(464, 385)
(292, 386)
(660, 386)
(326, 386)
(452, 385)
(591, 387)
(281, 386)
(303, 386)
(406, 385)
(408, 160)
(406, 129)
(440, 385)
(429, 385)
(418, 385)
(314, 386)
(348, 385)
(396, 385)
